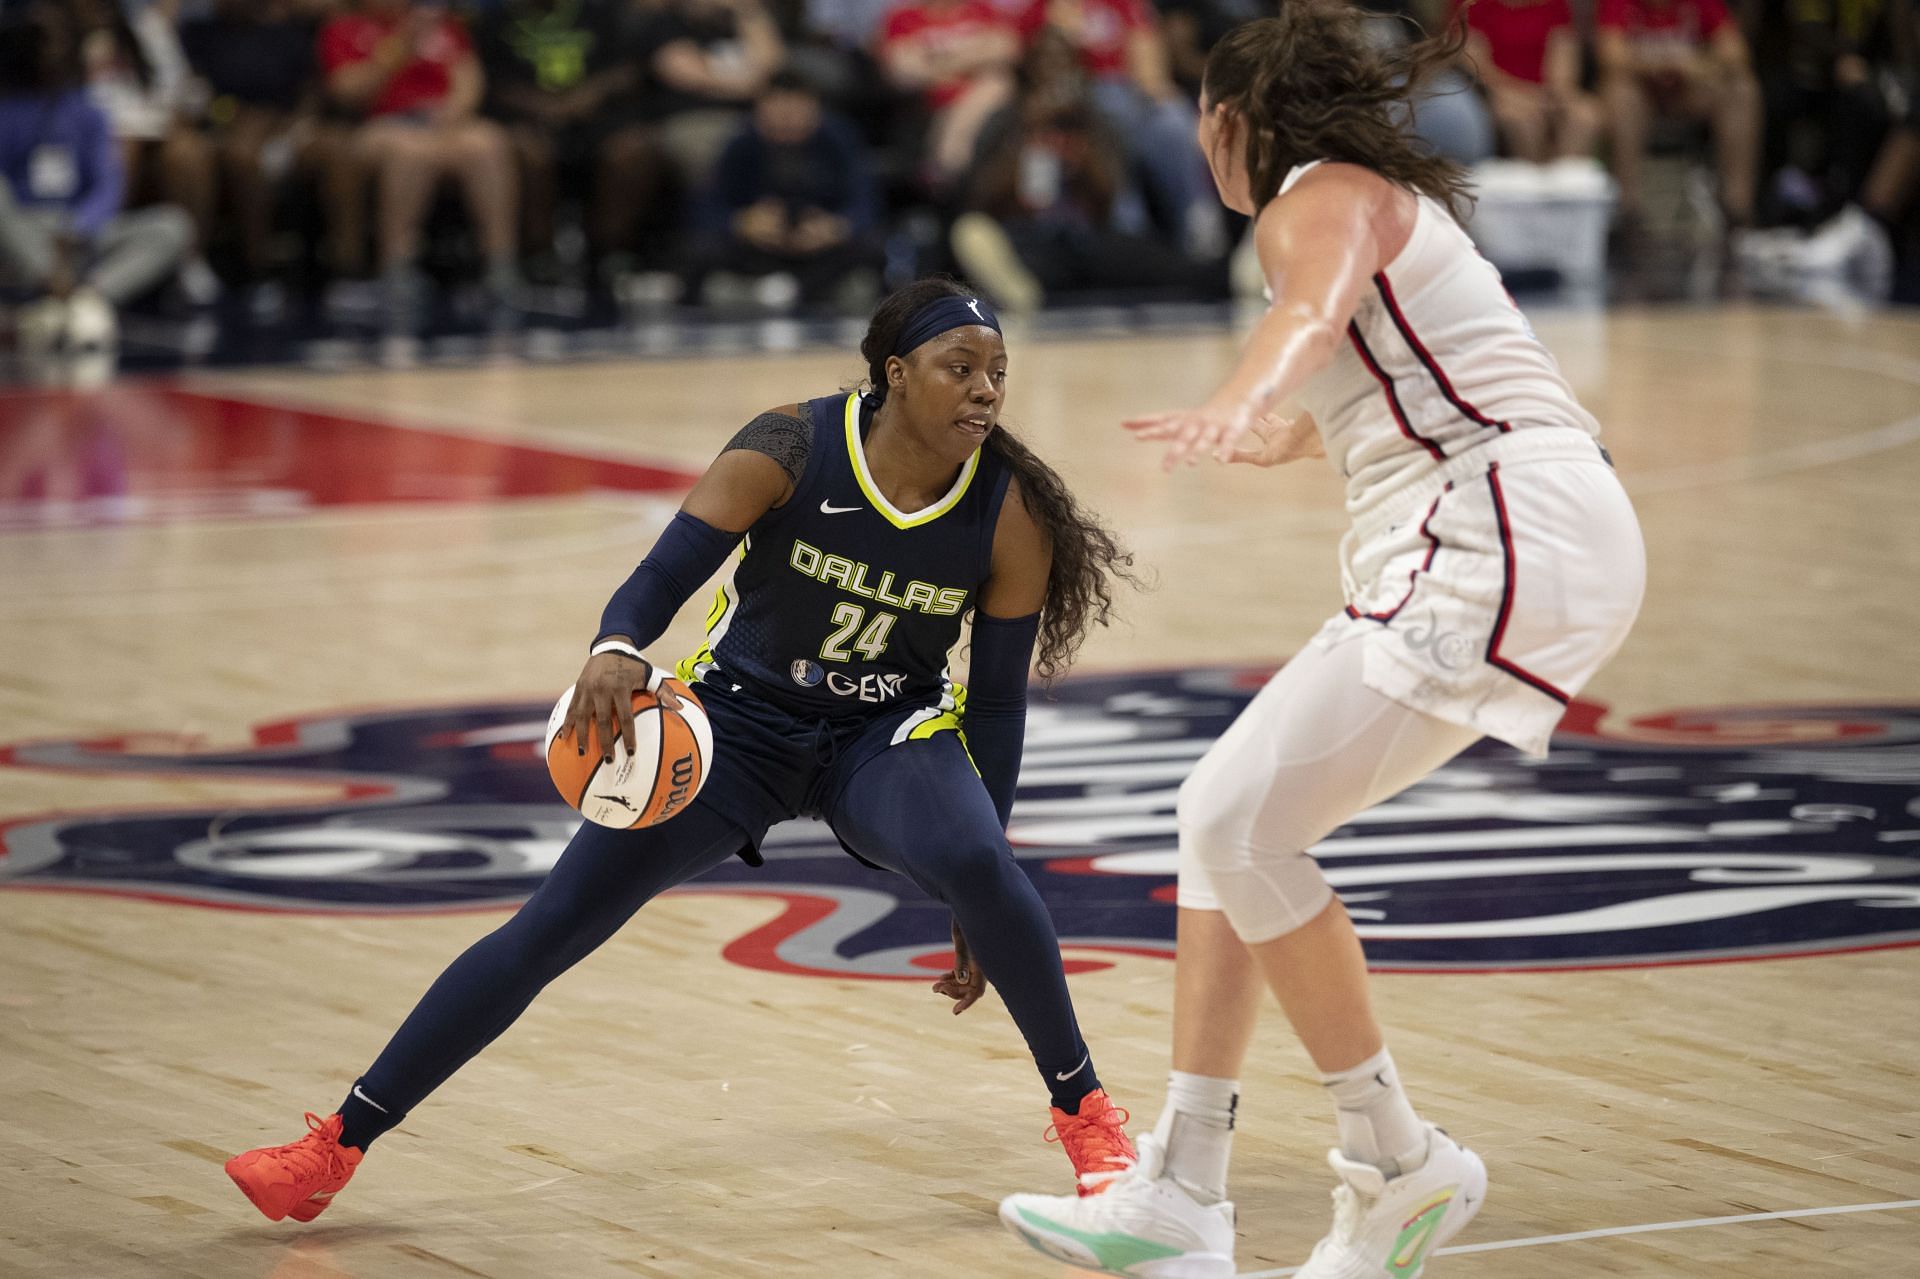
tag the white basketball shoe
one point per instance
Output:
(1141, 1224)
(1387, 1228)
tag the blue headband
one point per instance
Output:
(940, 315)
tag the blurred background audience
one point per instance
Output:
(66, 236)
(404, 163)
(790, 210)
(1529, 57)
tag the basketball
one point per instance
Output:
(672, 748)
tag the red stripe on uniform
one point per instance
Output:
(1413, 578)
(1506, 598)
(1386, 386)
(1420, 352)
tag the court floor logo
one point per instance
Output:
(1685, 837)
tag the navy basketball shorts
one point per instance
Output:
(769, 765)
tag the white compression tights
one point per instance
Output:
(1315, 747)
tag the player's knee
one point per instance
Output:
(1214, 812)
(553, 931)
(970, 868)
(1193, 886)
(536, 935)
(1237, 831)
(1287, 894)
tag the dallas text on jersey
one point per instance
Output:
(851, 575)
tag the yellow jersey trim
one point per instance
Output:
(895, 516)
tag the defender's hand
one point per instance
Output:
(1276, 441)
(1190, 434)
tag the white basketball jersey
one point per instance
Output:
(1438, 360)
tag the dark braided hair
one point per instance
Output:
(1085, 552)
(1311, 84)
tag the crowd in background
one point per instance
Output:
(782, 153)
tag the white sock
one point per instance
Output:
(1377, 1123)
(1196, 1131)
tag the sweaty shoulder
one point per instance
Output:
(784, 434)
(1337, 201)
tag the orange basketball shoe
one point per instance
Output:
(298, 1179)
(1095, 1139)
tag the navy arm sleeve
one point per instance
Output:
(996, 719)
(688, 553)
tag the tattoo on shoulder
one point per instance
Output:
(781, 436)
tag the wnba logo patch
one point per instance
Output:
(1698, 835)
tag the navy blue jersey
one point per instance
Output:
(842, 605)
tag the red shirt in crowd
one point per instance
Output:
(1517, 32)
(1681, 24)
(932, 25)
(1104, 28)
(420, 85)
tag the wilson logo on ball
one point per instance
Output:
(685, 772)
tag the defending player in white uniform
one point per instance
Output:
(1494, 565)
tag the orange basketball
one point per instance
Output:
(668, 768)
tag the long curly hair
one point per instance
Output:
(1314, 83)
(1086, 554)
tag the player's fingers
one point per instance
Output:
(1220, 441)
(579, 716)
(1180, 450)
(603, 719)
(1155, 428)
(1193, 447)
(571, 724)
(623, 707)
(1199, 440)
(668, 698)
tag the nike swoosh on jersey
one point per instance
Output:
(828, 508)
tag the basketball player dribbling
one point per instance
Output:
(868, 525)
(1493, 566)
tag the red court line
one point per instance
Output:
(154, 452)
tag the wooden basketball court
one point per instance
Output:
(669, 1110)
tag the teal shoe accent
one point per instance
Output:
(1115, 1251)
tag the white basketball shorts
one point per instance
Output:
(1490, 590)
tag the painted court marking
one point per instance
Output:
(1650, 1228)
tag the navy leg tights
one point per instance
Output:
(602, 878)
(920, 809)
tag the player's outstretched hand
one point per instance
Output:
(1191, 434)
(1277, 440)
(964, 983)
(603, 696)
